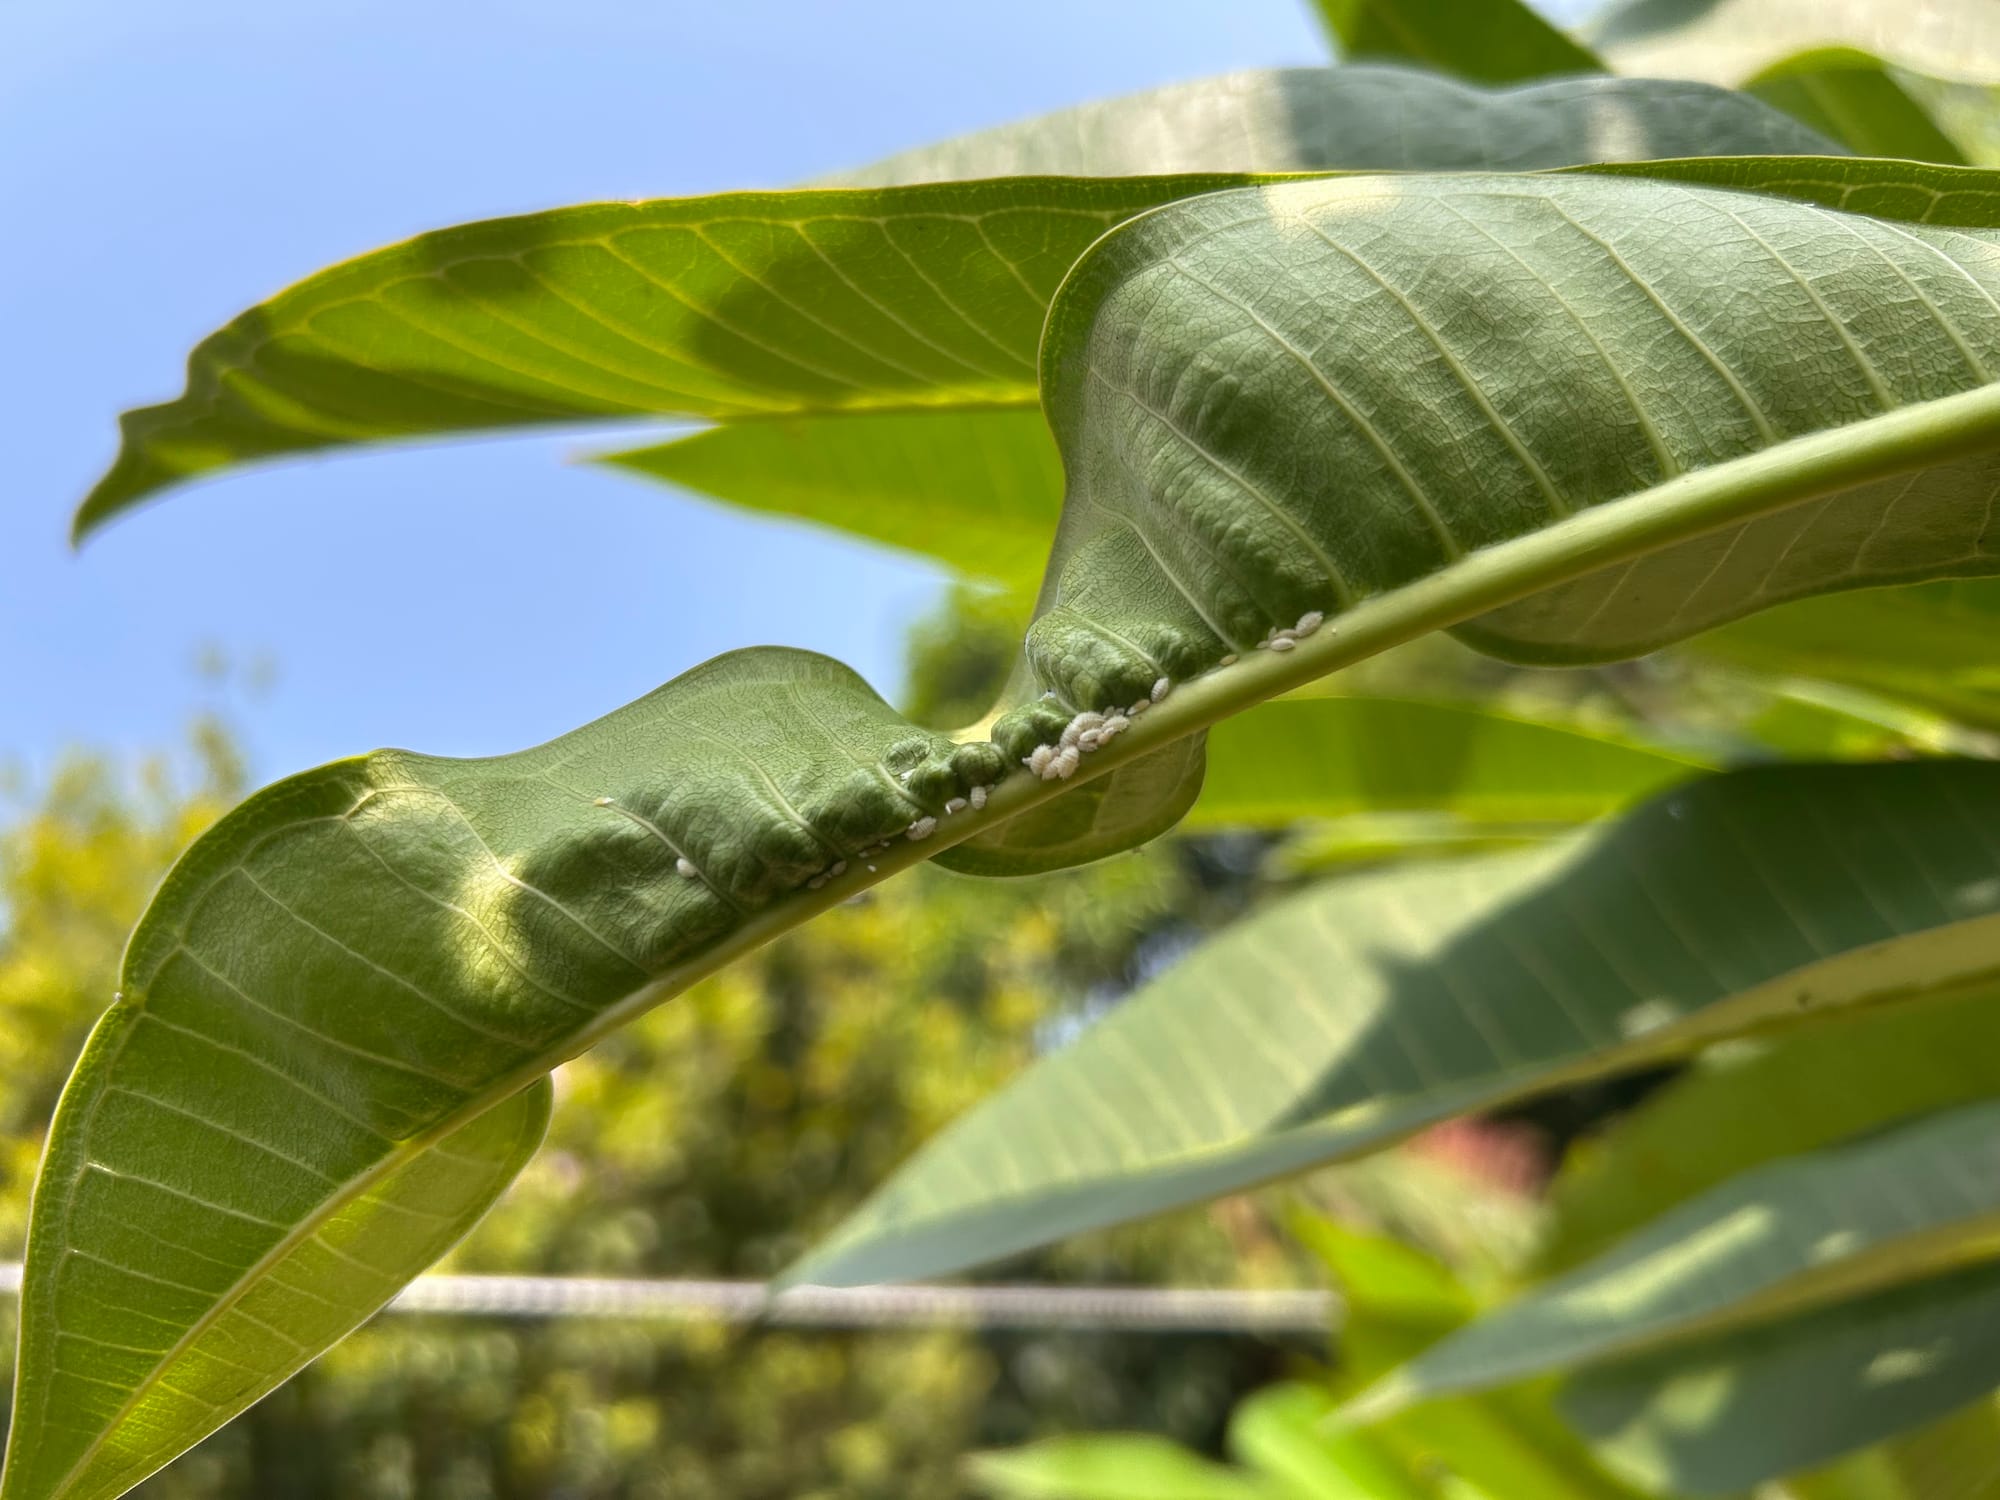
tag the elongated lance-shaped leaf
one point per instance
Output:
(1748, 1106)
(1348, 1016)
(1930, 644)
(1247, 388)
(1493, 41)
(1856, 99)
(1326, 757)
(1837, 1223)
(1366, 118)
(1723, 1415)
(822, 300)
(1726, 41)
(133, 1343)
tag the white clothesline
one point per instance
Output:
(1125, 1309)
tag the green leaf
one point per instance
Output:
(1746, 1107)
(422, 938)
(1327, 757)
(1114, 1466)
(1364, 118)
(1281, 1431)
(1734, 903)
(861, 299)
(1855, 99)
(1930, 644)
(1832, 1225)
(1727, 1413)
(1493, 41)
(1726, 41)
(979, 491)
(741, 304)
(179, 1293)
(1950, 1459)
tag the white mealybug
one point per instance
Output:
(1089, 740)
(923, 828)
(906, 775)
(1140, 707)
(1161, 689)
(1310, 621)
(602, 802)
(839, 867)
(871, 869)
(1038, 759)
(956, 805)
(686, 867)
(1066, 763)
(1228, 661)
(1283, 643)
(1114, 726)
(979, 799)
(816, 882)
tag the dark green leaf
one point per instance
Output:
(1492, 41)
(1344, 1018)
(1728, 1413)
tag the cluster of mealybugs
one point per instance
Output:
(963, 779)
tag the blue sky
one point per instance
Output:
(166, 166)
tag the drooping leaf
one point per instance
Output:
(1912, 1203)
(1794, 1094)
(1724, 1414)
(1346, 1017)
(742, 304)
(1327, 757)
(425, 937)
(1493, 41)
(189, 1290)
(859, 299)
(1855, 99)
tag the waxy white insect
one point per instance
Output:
(1310, 621)
(979, 799)
(1037, 760)
(816, 882)
(1140, 707)
(1228, 661)
(1283, 643)
(923, 828)
(956, 805)
(1065, 763)
(1113, 726)
(602, 802)
(1161, 688)
(686, 867)
(839, 867)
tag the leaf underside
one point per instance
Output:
(895, 288)
(1246, 388)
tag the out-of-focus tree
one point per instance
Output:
(715, 1138)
